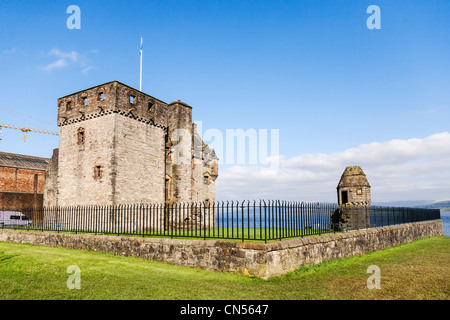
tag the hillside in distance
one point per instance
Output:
(444, 205)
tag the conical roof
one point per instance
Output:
(353, 176)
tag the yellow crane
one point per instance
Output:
(26, 129)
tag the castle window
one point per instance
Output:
(150, 106)
(344, 197)
(69, 105)
(97, 172)
(100, 96)
(83, 99)
(132, 99)
(81, 136)
(206, 179)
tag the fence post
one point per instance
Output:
(204, 219)
(242, 217)
(277, 203)
(265, 221)
(388, 216)
(56, 215)
(301, 219)
(172, 219)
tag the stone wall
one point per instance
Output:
(128, 153)
(179, 170)
(51, 180)
(77, 181)
(112, 150)
(138, 162)
(256, 259)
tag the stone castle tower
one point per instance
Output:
(118, 145)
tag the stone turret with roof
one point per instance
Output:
(353, 188)
(353, 192)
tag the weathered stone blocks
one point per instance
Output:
(254, 259)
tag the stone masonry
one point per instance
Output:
(118, 145)
(354, 198)
(252, 259)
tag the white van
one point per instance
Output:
(13, 218)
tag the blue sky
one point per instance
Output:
(311, 69)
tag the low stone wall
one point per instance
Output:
(258, 259)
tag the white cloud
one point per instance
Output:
(72, 56)
(65, 59)
(11, 52)
(55, 65)
(87, 69)
(411, 169)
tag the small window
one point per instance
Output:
(84, 101)
(100, 96)
(25, 218)
(344, 197)
(98, 171)
(206, 179)
(15, 217)
(132, 99)
(150, 106)
(69, 105)
(81, 136)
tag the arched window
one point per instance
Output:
(83, 99)
(100, 94)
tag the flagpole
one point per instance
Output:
(140, 71)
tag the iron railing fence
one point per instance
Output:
(237, 220)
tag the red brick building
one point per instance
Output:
(21, 180)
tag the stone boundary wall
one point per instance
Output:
(248, 258)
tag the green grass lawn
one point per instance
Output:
(417, 270)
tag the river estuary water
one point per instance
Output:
(445, 216)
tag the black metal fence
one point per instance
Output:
(238, 220)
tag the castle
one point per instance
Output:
(118, 145)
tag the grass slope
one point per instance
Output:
(417, 270)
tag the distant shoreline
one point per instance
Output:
(445, 216)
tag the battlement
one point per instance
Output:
(110, 97)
